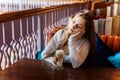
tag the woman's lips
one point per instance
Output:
(71, 30)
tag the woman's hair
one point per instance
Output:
(89, 34)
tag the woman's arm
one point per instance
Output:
(52, 45)
(77, 53)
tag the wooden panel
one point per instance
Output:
(8, 32)
(1, 35)
(17, 29)
(42, 21)
(29, 25)
(35, 23)
(24, 27)
(39, 33)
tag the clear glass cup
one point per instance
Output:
(59, 55)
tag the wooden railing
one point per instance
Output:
(24, 33)
(18, 5)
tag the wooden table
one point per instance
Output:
(29, 69)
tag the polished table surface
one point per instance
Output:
(29, 69)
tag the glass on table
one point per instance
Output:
(59, 55)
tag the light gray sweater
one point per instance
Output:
(76, 50)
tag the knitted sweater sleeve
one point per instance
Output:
(78, 54)
(52, 44)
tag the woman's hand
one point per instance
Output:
(44, 56)
(55, 59)
(78, 34)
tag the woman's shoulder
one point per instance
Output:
(61, 29)
(85, 41)
(59, 32)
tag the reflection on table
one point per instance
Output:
(30, 69)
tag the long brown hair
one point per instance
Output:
(89, 35)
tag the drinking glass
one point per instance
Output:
(59, 55)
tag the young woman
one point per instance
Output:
(77, 40)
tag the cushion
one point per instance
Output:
(51, 34)
(102, 52)
(115, 60)
(38, 55)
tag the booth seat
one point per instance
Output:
(107, 49)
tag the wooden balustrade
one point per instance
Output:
(23, 33)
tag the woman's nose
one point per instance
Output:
(74, 26)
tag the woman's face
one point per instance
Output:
(76, 25)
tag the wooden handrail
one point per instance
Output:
(26, 13)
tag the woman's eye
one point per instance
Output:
(79, 26)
